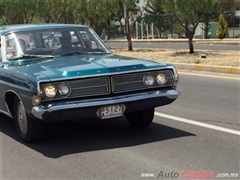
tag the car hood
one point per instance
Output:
(84, 65)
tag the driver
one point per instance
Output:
(66, 43)
(66, 40)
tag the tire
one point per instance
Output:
(29, 129)
(141, 118)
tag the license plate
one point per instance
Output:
(106, 112)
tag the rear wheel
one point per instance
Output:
(29, 129)
(141, 118)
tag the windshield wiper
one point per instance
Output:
(28, 56)
(71, 53)
(81, 52)
(36, 56)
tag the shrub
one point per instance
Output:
(222, 30)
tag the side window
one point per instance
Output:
(28, 40)
(10, 46)
(89, 41)
(31, 44)
(86, 39)
(74, 37)
(49, 40)
(17, 45)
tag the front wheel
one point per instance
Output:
(29, 129)
(141, 118)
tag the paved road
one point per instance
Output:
(175, 46)
(112, 150)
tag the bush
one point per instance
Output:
(222, 30)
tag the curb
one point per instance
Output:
(198, 67)
(228, 41)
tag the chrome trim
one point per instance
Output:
(12, 102)
(155, 85)
(173, 96)
(3, 48)
(70, 96)
(39, 111)
(6, 113)
(144, 80)
(44, 91)
(101, 75)
(175, 77)
(166, 79)
(107, 74)
(69, 92)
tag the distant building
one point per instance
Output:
(232, 31)
(200, 33)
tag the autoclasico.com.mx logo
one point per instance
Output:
(187, 174)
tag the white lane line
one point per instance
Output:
(189, 121)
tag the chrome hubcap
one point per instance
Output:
(22, 118)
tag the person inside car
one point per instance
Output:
(66, 43)
(66, 40)
(22, 45)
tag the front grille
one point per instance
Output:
(83, 87)
(132, 82)
(98, 86)
(89, 87)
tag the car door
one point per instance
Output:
(1, 71)
(3, 75)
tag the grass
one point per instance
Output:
(218, 58)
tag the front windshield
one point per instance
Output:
(45, 42)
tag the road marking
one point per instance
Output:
(189, 121)
(206, 75)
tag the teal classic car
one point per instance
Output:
(61, 72)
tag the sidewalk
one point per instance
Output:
(197, 67)
(226, 41)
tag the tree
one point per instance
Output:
(228, 8)
(226, 5)
(29, 11)
(187, 13)
(94, 12)
(207, 14)
(160, 18)
(57, 11)
(126, 13)
(222, 29)
(19, 11)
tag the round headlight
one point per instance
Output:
(50, 91)
(63, 89)
(161, 79)
(148, 80)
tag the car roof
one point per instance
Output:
(24, 27)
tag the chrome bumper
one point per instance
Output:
(39, 111)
